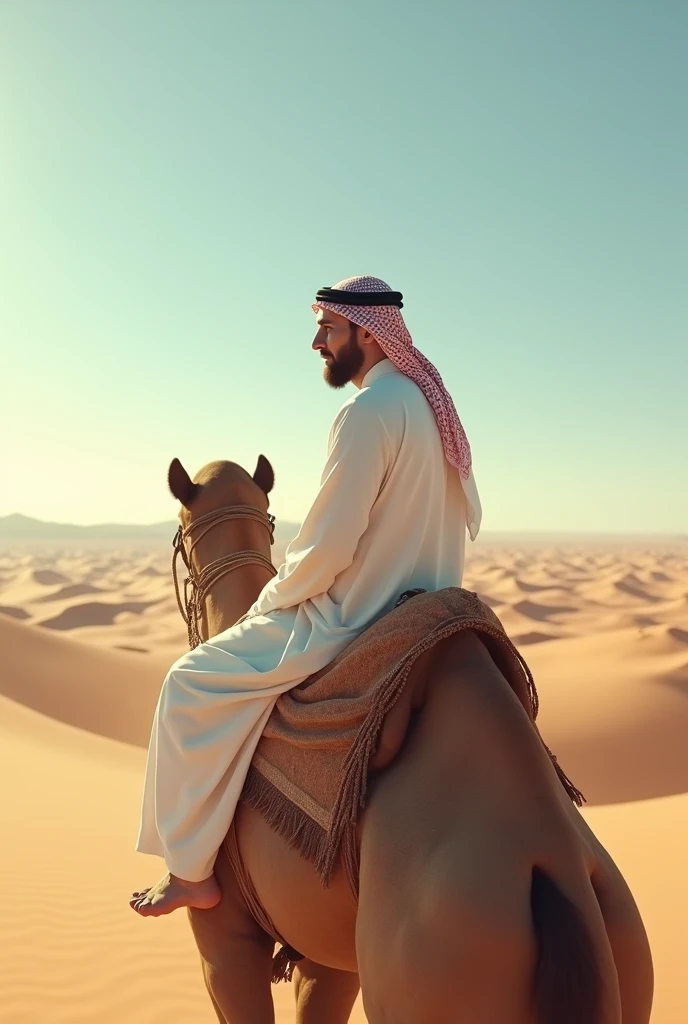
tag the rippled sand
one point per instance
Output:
(86, 637)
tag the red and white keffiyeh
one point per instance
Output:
(387, 326)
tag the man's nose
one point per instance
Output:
(318, 342)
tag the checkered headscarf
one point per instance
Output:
(387, 326)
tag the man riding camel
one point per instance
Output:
(396, 498)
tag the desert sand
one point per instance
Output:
(86, 637)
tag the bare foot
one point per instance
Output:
(171, 893)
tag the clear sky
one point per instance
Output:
(178, 177)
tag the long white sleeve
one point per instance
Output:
(357, 462)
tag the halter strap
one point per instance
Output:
(200, 583)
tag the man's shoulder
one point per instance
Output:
(387, 401)
(394, 383)
(394, 393)
(374, 396)
(358, 411)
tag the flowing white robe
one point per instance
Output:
(391, 515)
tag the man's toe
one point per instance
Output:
(148, 909)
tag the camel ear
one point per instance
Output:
(181, 484)
(264, 475)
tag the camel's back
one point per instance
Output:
(511, 806)
(320, 921)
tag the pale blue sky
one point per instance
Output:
(178, 178)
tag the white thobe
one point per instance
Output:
(391, 515)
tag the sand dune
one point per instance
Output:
(70, 590)
(94, 613)
(541, 588)
(107, 692)
(123, 588)
(46, 577)
(614, 708)
(604, 631)
(14, 613)
(534, 637)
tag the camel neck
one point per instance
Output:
(232, 595)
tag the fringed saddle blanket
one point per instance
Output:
(309, 772)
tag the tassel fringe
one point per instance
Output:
(324, 848)
(288, 820)
(575, 794)
(283, 964)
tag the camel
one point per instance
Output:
(484, 896)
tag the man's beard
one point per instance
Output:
(343, 368)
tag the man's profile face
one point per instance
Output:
(338, 345)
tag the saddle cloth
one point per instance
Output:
(309, 771)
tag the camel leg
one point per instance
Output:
(236, 955)
(323, 994)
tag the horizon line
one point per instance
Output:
(290, 522)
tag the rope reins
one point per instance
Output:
(200, 583)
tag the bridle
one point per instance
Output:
(200, 583)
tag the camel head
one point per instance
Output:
(224, 515)
(220, 484)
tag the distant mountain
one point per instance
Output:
(24, 528)
(18, 528)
